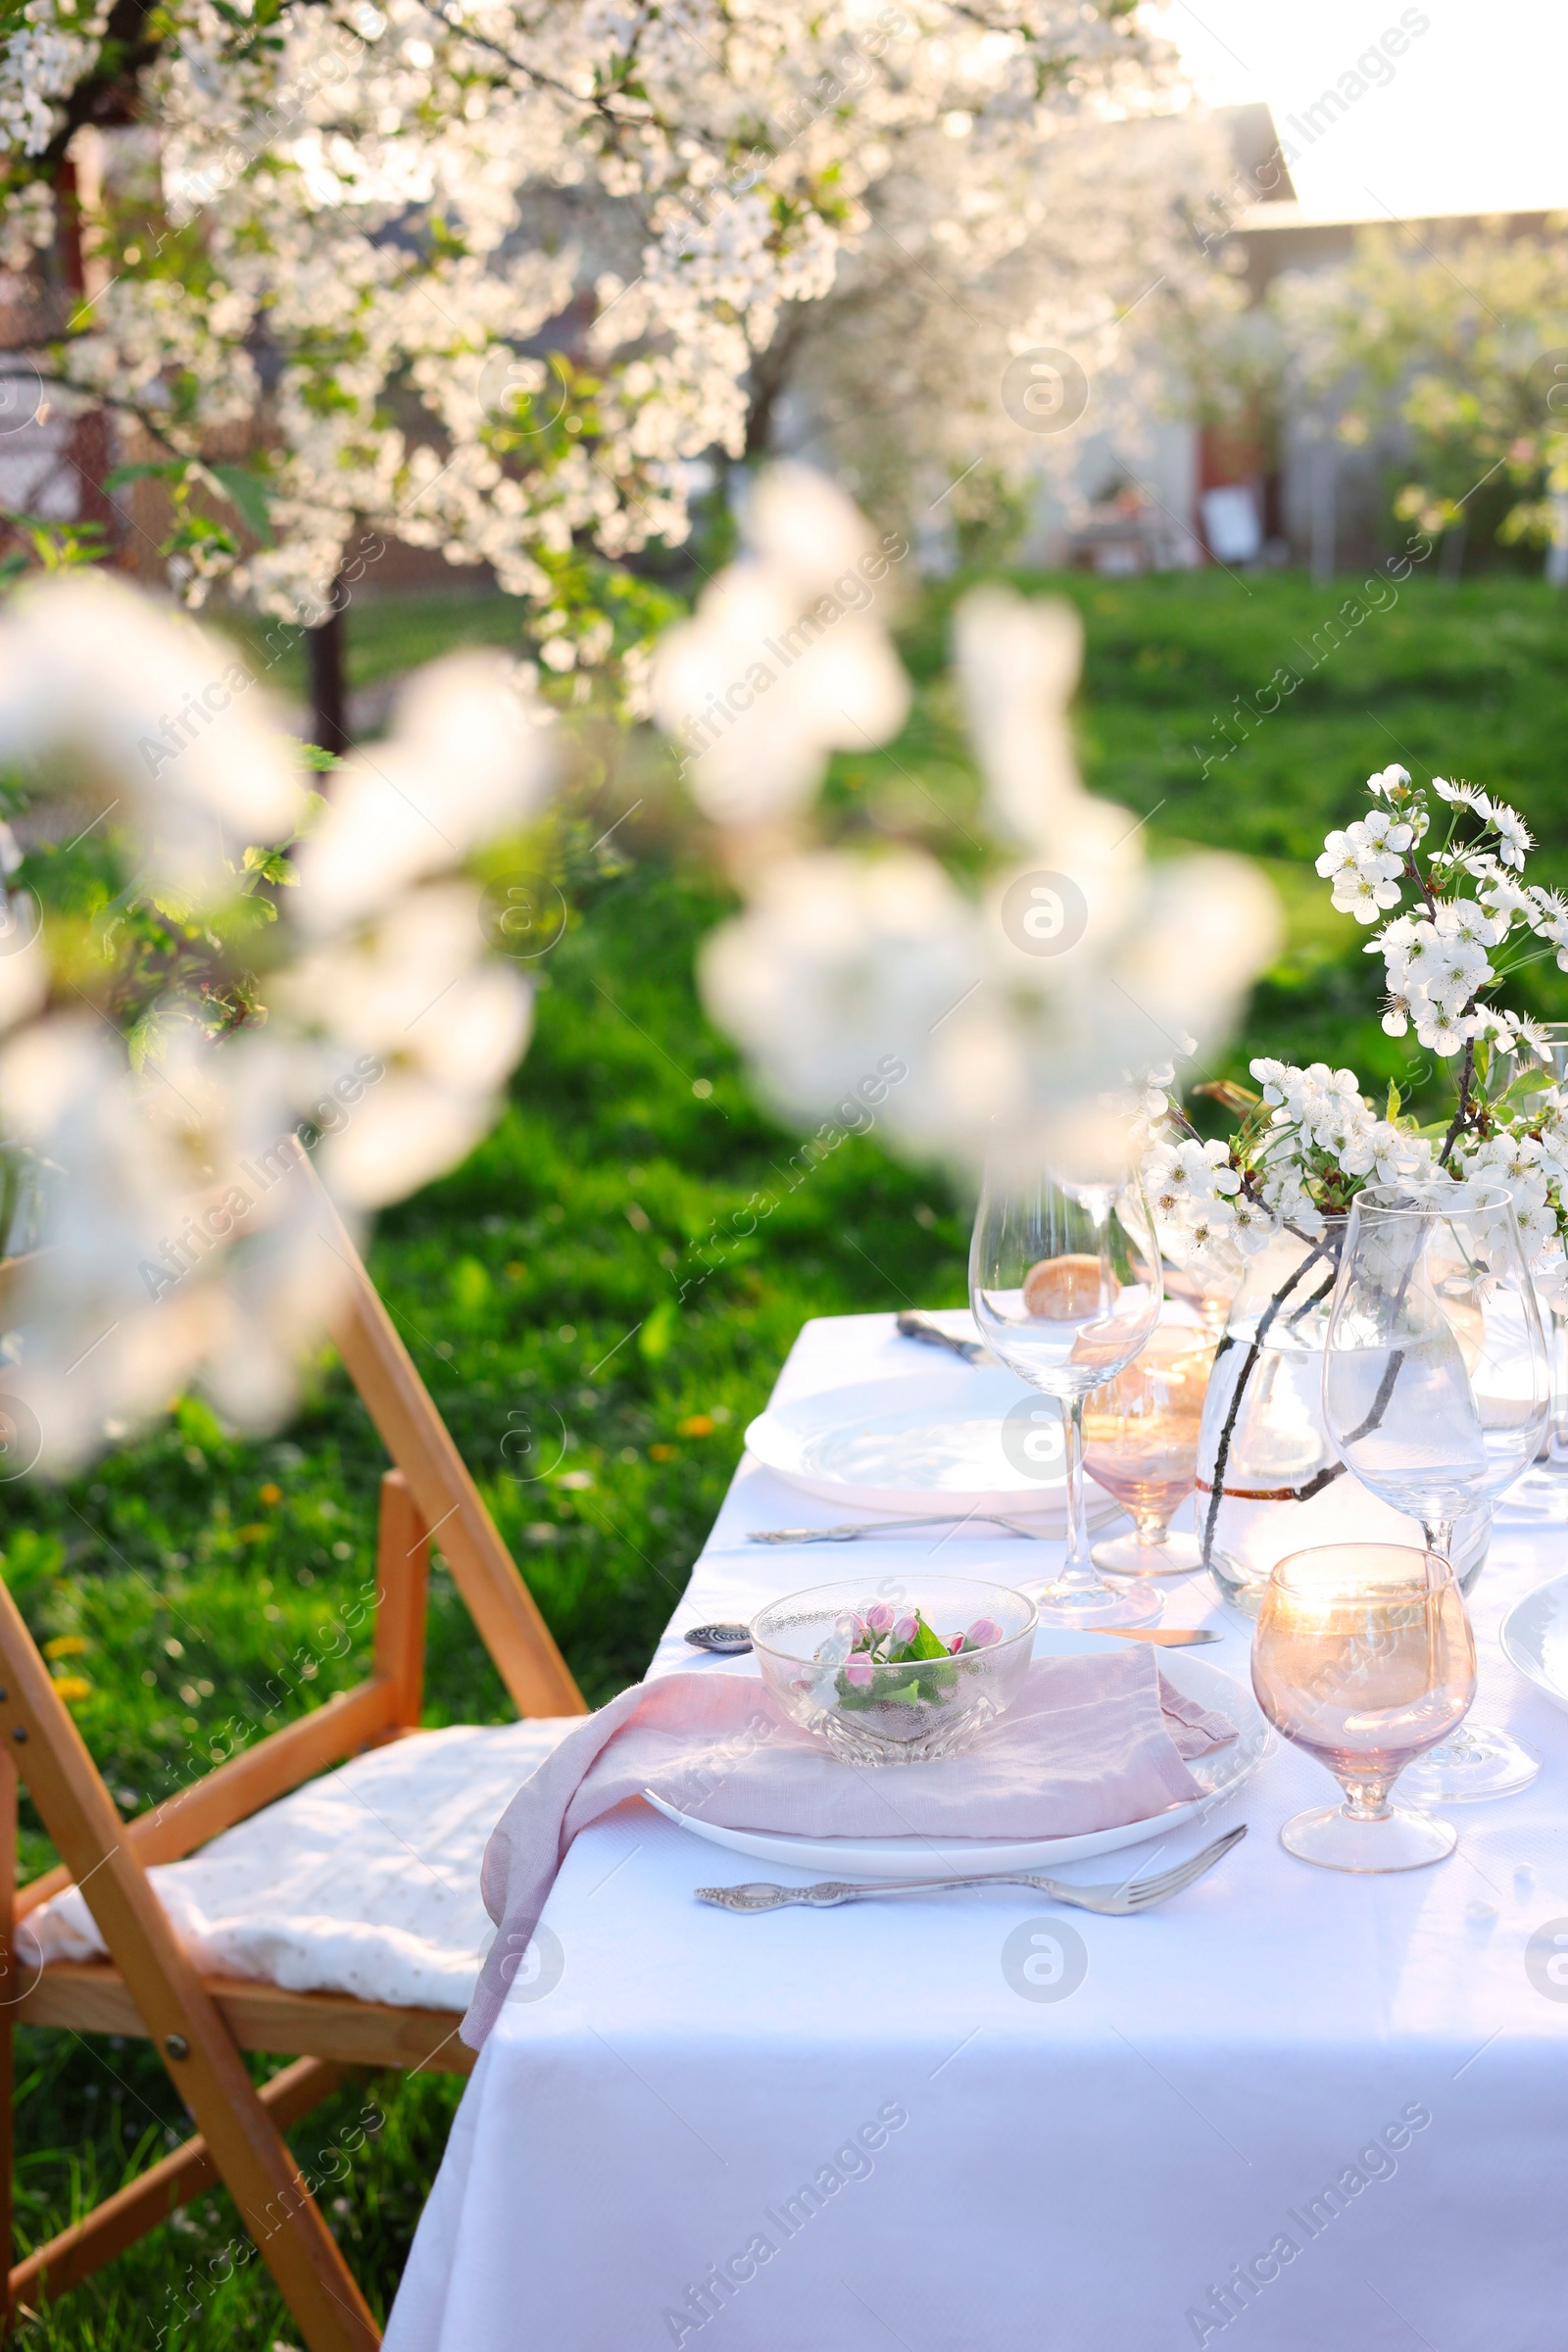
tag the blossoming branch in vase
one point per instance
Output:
(1439, 958)
(1306, 1147)
(1309, 1140)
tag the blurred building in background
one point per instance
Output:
(1279, 484)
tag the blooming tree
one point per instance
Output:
(1059, 244)
(488, 279)
(1453, 351)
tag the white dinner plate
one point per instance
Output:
(923, 1444)
(1218, 1775)
(1534, 1637)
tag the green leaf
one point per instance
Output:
(172, 469)
(199, 1425)
(1226, 1092)
(470, 1284)
(927, 1644)
(175, 904)
(658, 1332)
(1395, 1099)
(249, 495)
(273, 866)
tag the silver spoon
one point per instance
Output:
(727, 1640)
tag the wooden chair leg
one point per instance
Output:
(402, 1576)
(143, 2203)
(10, 1990)
(180, 2015)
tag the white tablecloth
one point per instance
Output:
(1293, 2110)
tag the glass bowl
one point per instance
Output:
(887, 1713)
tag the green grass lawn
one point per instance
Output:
(195, 1582)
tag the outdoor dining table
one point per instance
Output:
(1294, 2109)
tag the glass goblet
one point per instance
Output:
(1543, 1492)
(1065, 1289)
(1364, 1655)
(1553, 1053)
(1435, 1391)
(1140, 1444)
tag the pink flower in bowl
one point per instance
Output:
(955, 1645)
(904, 1630)
(879, 1618)
(858, 1672)
(982, 1634)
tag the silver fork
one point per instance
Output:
(853, 1530)
(1115, 1903)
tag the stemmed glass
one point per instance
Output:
(1141, 1435)
(1544, 1488)
(1435, 1391)
(1364, 1657)
(1066, 1288)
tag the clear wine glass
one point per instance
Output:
(1544, 1488)
(1434, 1393)
(1552, 1051)
(1364, 1657)
(1065, 1287)
(1543, 1492)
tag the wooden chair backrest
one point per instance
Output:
(504, 1611)
(428, 1499)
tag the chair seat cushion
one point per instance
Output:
(365, 1881)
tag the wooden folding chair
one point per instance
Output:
(148, 1986)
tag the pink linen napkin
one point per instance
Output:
(1091, 1743)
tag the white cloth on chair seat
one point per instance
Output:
(365, 1881)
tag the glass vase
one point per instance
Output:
(1269, 1480)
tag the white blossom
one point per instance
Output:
(162, 722)
(390, 1035)
(1382, 831)
(470, 754)
(842, 959)
(1387, 781)
(1018, 665)
(1514, 837)
(787, 656)
(1364, 874)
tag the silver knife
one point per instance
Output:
(920, 1327)
(732, 1641)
